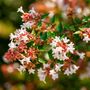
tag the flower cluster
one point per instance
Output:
(85, 34)
(38, 48)
(61, 47)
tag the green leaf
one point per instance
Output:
(77, 38)
(81, 46)
(75, 57)
(30, 44)
(86, 18)
(69, 54)
(53, 19)
(44, 16)
(50, 34)
(28, 30)
(77, 21)
(41, 60)
(66, 26)
(60, 61)
(39, 23)
(39, 65)
(73, 28)
(40, 47)
(62, 36)
(88, 48)
(43, 36)
(50, 54)
(59, 28)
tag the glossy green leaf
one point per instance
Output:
(39, 23)
(43, 36)
(41, 60)
(50, 34)
(50, 54)
(59, 28)
(30, 44)
(44, 16)
(53, 19)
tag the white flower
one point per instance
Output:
(71, 47)
(57, 50)
(20, 10)
(72, 69)
(27, 25)
(67, 72)
(33, 12)
(12, 45)
(12, 36)
(17, 33)
(41, 74)
(57, 39)
(64, 56)
(20, 34)
(21, 69)
(58, 67)
(53, 74)
(21, 31)
(65, 40)
(25, 59)
(31, 71)
(59, 54)
(46, 65)
(54, 42)
(86, 38)
(24, 38)
(81, 55)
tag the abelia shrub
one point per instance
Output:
(41, 48)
